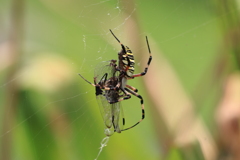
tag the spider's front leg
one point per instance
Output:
(87, 80)
(98, 86)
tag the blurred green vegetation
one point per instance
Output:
(48, 112)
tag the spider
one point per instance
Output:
(110, 91)
(112, 113)
(126, 68)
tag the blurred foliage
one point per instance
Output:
(49, 112)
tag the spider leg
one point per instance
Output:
(118, 41)
(132, 88)
(87, 80)
(125, 96)
(98, 86)
(111, 88)
(104, 77)
(117, 87)
(142, 105)
(149, 61)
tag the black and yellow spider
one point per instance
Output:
(126, 68)
(111, 87)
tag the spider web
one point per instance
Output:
(57, 110)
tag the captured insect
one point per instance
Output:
(126, 68)
(106, 78)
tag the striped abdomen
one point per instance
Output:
(128, 62)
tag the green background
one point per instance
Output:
(48, 112)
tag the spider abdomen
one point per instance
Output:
(128, 62)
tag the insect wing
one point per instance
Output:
(105, 67)
(105, 109)
(118, 120)
(122, 119)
